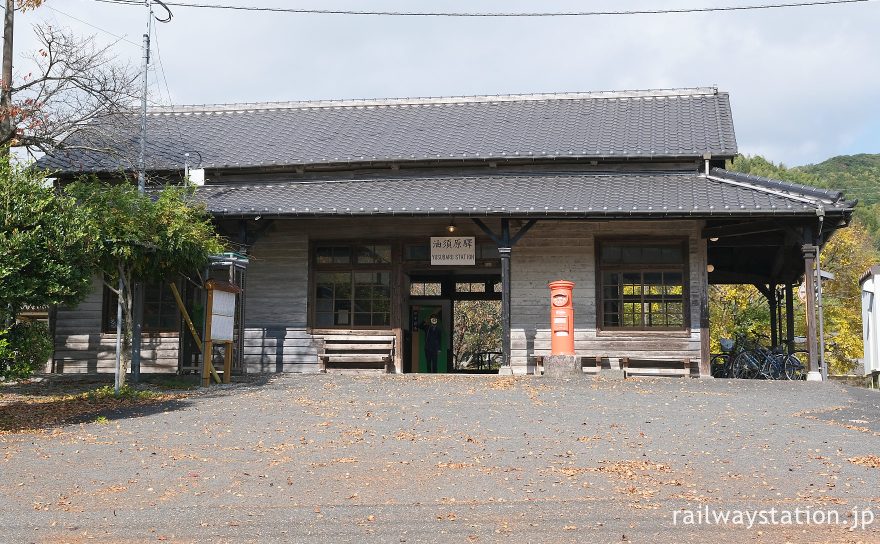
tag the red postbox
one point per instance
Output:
(561, 318)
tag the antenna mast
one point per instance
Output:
(146, 65)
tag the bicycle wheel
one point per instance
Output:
(794, 369)
(771, 364)
(720, 365)
(746, 366)
(766, 371)
(779, 366)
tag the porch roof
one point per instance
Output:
(528, 194)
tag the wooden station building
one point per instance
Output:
(336, 203)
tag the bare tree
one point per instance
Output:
(77, 88)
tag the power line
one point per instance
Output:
(117, 36)
(161, 69)
(175, 119)
(497, 13)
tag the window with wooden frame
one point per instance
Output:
(425, 289)
(160, 309)
(641, 285)
(352, 285)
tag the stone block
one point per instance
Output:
(562, 366)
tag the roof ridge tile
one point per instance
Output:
(247, 107)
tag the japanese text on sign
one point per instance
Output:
(453, 250)
(222, 316)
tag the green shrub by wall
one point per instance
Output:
(24, 349)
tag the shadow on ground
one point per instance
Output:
(46, 412)
(51, 402)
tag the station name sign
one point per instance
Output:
(453, 250)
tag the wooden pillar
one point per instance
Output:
(505, 303)
(504, 250)
(809, 253)
(399, 313)
(242, 329)
(769, 292)
(780, 333)
(789, 316)
(208, 353)
(705, 351)
(773, 303)
(227, 362)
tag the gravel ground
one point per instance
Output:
(452, 459)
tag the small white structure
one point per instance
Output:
(870, 284)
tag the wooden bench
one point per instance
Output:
(655, 367)
(591, 365)
(357, 353)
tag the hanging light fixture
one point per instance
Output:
(451, 228)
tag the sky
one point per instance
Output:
(804, 82)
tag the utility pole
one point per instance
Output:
(5, 92)
(142, 175)
(138, 293)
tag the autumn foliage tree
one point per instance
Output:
(848, 255)
(25, 5)
(74, 84)
(67, 84)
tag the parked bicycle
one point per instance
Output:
(720, 363)
(744, 359)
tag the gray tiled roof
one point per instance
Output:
(788, 186)
(518, 194)
(627, 124)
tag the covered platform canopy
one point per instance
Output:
(757, 226)
(759, 231)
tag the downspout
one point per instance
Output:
(705, 314)
(822, 367)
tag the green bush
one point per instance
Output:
(24, 348)
(5, 350)
(125, 392)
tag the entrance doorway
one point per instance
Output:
(430, 327)
(476, 336)
(466, 336)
